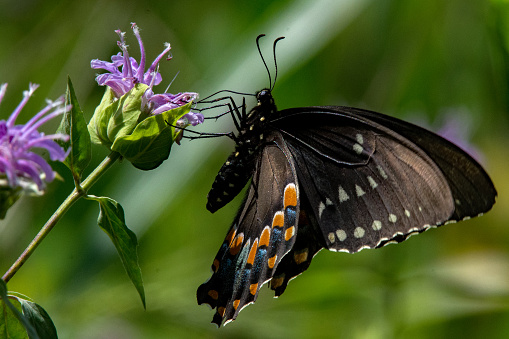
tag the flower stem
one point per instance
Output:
(76, 194)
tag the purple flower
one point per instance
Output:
(457, 128)
(125, 72)
(455, 125)
(18, 164)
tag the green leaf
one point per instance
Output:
(39, 318)
(14, 325)
(8, 196)
(111, 220)
(150, 143)
(73, 124)
(98, 125)
(173, 115)
(116, 118)
(127, 114)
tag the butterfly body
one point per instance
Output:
(330, 177)
(239, 167)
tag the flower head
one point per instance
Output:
(19, 165)
(124, 72)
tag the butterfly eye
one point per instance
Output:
(264, 95)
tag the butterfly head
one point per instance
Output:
(264, 97)
(265, 106)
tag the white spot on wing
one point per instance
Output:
(343, 196)
(341, 235)
(382, 172)
(328, 202)
(359, 232)
(407, 213)
(393, 218)
(372, 182)
(321, 207)
(331, 237)
(377, 225)
(359, 191)
(358, 148)
(359, 138)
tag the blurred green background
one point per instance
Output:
(417, 60)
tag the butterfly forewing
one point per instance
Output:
(363, 204)
(262, 233)
(472, 188)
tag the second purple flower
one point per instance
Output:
(124, 72)
(132, 119)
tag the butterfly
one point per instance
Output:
(332, 177)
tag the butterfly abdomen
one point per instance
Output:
(232, 177)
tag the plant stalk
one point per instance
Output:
(76, 194)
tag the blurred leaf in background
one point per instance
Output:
(410, 59)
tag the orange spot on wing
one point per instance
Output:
(215, 265)
(279, 219)
(289, 233)
(230, 236)
(265, 237)
(276, 282)
(236, 244)
(236, 303)
(213, 294)
(290, 197)
(272, 261)
(221, 310)
(301, 257)
(253, 288)
(252, 253)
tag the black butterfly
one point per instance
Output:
(332, 177)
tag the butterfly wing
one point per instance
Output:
(472, 188)
(308, 242)
(261, 234)
(365, 180)
(368, 185)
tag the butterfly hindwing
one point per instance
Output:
(262, 233)
(307, 244)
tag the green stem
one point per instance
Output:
(76, 194)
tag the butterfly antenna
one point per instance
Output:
(261, 56)
(205, 100)
(275, 61)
